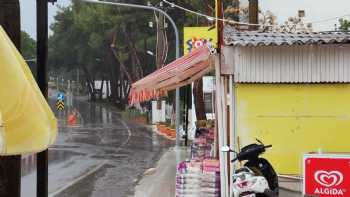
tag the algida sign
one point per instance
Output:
(327, 175)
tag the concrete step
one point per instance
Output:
(294, 185)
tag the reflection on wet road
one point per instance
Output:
(101, 157)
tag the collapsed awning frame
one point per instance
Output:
(178, 73)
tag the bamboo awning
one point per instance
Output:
(178, 73)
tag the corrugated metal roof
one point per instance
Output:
(254, 38)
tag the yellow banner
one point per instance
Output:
(27, 123)
(195, 37)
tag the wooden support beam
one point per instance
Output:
(10, 166)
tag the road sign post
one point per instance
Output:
(327, 175)
(60, 102)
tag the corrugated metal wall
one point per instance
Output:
(290, 64)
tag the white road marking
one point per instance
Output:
(75, 181)
(129, 133)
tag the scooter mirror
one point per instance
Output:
(260, 142)
(225, 149)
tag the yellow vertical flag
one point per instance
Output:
(27, 124)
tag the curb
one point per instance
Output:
(154, 128)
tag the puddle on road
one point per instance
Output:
(55, 156)
(61, 155)
(110, 157)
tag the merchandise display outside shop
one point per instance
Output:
(200, 175)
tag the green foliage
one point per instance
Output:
(28, 46)
(84, 33)
(344, 24)
(81, 30)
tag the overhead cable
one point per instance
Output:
(212, 18)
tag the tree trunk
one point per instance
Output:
(101, 88)
(108, 86)
(113, 68)
(160, 42)
(10, 166)
(199, 100)
(137, 68)
(90, 83)
(121, 63)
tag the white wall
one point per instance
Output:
(290, 64)
(158, 115)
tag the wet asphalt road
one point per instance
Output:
(103, 156)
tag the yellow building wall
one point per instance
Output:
(295, 119)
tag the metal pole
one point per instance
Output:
(188, 99)
(177, 41)
(42, 39)
(220, 107)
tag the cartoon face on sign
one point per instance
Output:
(327, 176)
(195, 43)
(329, 179)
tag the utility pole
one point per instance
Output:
(10, 166)
(253, 14)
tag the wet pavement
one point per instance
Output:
(102, 156)
(288, 193)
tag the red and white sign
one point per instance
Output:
(327, 175)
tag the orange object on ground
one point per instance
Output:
(72, 119)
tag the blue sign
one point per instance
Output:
(60, 96)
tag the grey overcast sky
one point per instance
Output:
(316, 10)
(28, 14)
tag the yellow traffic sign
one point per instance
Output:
(60, 105)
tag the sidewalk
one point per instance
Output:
(291, 184)
(160, 181)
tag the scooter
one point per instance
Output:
(257, 178)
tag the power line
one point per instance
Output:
(329, 19)
(211, 18)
